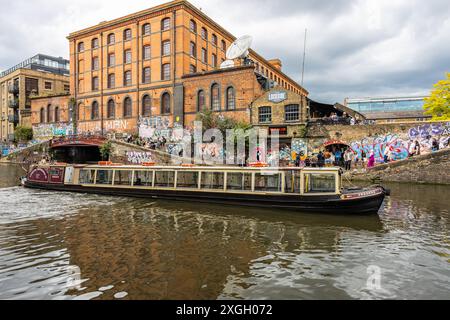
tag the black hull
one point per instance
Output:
(305, 204)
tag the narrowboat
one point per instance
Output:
(315, 190)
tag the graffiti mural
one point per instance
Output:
(43, 132)
(139, 157)
(430, 130)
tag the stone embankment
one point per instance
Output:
(433, 168)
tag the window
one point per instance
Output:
(127, 35)
(165, 71)
(111, 109)
(95, 114)
(165, 179)
(193, 50)
(192, 69)
(292, 112)
(292, 182)
(127, 57)
(204, 55)
(49, 114)
(165, 24)
(66, 87)
(231, 99)
(214, 60)
(265, 114)
(165, 48)
(87, 176)
(146, 29)
(146, 106)
(147, 52)
(188, 180)
(143, 178)
(268, 182)
(201, 101)
(215, 97)
(123, 178)
(165, 103)
(42, 116)
(224, 45)
(146, 75)
(127, 79)
(214, 39)
(111, 60)
(57, 115)
(111, 81)
(48, 85)
(104, 177)
(95, 64)
(317, 183)
(193, 26)
(81, 47)
(95, 43)
(95, 84)
(239, 181)
(204, 34)
(111, 39)
(127, 108)
(79, 111)
(213, 180)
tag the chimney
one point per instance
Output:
(276, 63)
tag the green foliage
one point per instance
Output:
(105, 150)
(438, 104)
(23, 134)
(212, 120)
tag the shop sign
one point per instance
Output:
(277, 96)
(282, 131)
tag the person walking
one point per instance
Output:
(320, 159)
(435, 145)
(371, 162)
(348, 158)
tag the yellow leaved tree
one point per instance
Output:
(438, 104)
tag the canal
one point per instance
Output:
(75, 246)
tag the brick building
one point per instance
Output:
(39, 75)
(156, 64)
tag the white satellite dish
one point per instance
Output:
(227, 64)
(239, 48)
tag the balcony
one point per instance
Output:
(13, 88)
(14, 103)
(13, 118)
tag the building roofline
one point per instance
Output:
(375, 99)
(207, 73)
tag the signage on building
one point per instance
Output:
(277, 96)
(282, 131)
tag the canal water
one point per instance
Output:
(75, 246)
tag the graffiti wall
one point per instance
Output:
(95, 127)
(44, 132)
(155, 127)
(298, 146)
(139, 157)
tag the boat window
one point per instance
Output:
(268, 182)
(213, 180)
(123, 178)
(87, 176)
(292, 181)
(165, 179)
(104, 177)
(320, 183)
(239, 181)
(187, 180)
(143, 178)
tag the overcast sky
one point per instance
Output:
(355, 48)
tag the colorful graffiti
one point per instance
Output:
(139, 157)
(43, 132)
(430, 130)
(298, 146)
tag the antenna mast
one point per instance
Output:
(304, 57)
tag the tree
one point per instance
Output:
(106, 150)
(438, 104)
(23, 134)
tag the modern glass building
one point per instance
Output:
(41, 62)
(397, 109)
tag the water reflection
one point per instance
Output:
(137, 249)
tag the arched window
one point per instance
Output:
(95, 114)
(95, 43)
(42, 115)
(204, 34)
(165, 103)
(201, 101)
(81, 47)
(49, 113)
(231, 99)
(111, 38)
(146, 29)
(165, 24)
(57, 114)
(111, 109)
(224, 45)
(146, 106)
(214, 39)
(127, 108)
(127, 35)
(193, 26)
(215, 97)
